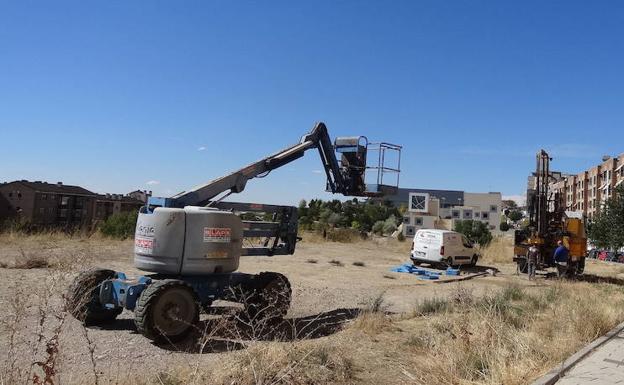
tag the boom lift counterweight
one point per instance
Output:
(192, 243)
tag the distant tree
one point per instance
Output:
(324, 215)
(120, 225)
(607, 229)
(515, 215)
(509, 204)
(504, 226)
(476, 231)
(335, 219)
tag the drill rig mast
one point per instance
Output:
(549, 222)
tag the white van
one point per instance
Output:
(443, 247)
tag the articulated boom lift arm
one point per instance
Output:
(346, 180)
(345, 177)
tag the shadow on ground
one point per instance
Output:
(598, 279)
(225, 331)
(463, 269)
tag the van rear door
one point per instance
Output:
(427, 245)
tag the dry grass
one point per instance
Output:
(336, 262)
(56, 250)
(510, 336)
(274, 363)
(359, 264)
(499, 251)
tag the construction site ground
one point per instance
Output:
(330, 281)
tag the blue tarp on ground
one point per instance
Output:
(422, 273)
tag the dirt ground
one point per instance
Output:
(327, 287)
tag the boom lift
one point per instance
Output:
(192, 243)
(549, 222)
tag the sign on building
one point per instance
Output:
(419, 202)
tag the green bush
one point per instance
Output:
(504, 226)
(378, 227)
(401, 237)
(352, 213)
(120, 225)
(390, 226)
(475, 231)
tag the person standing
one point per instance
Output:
(532, 258)
(561, 259)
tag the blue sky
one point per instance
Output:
(113, 95)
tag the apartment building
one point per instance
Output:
(589, 189)
(43, 204)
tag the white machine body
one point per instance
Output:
(188, 241)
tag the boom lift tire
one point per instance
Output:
(167, 311)
(83, 298)
(269, 300)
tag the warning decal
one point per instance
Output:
(143, 245)
(217, 234)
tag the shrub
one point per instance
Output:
(504, 226)
(120, 225)
(401, 237)
(378, 227)
(390, 225)
(432, 306)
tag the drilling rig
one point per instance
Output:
(550, 222)
(191, 243)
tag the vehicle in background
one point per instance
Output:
(443, 247)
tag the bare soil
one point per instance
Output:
(325, 296)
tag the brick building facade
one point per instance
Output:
(44, 204)
(588, 190)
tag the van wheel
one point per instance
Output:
(449, 262)
(416, 263)
(473, 261)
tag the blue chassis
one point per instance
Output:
(121, 292)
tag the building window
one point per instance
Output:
(455, 213)
(409, 230)
(418, 221)
(485, 215)
(19, 195)
(42, 211)
(44, 197)
(64, 201)
(468, 214)
(477, 214)
(63, 213)
(493, 208)
(10, 194)
(405, 220)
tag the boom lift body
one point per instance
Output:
(192, 243)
